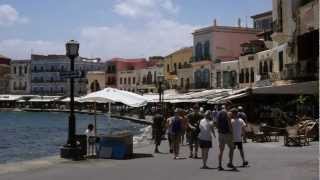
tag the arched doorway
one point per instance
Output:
(95, 86)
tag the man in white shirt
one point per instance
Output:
(238, 126)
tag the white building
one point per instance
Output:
(20, 77)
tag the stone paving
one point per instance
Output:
(268, 161)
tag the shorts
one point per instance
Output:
(238, 145)
(205, 144)
(226, 139)
(193, 139)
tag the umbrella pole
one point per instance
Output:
(109, 108)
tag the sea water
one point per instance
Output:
(33, 135)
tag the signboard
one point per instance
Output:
(70, 74)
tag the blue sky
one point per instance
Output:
(113, 28)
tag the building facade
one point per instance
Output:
(4, 74)
(296, 39)
(20, 77)
(214, 45)
(46, 76)
(174, 62)
(148, 78)
(96, 81)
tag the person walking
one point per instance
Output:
(238, 126)
(168, 130)
(175, 129)
(244, 117)
(157, 128)
(205, 137)
(193, 125)
(225, 135)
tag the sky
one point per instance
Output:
(114, 28)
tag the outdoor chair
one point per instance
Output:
(258, 135)
(293, 138)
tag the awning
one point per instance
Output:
(235, 96)
(109, 95)
(308, 88)
(45, 99)
(10, 97)
(68, 99)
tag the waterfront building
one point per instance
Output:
(213, 45)
(46, 76)
(255, 63)
(227, 73)
(175, 61)
(147, 78)
(20, 77)
(185, 78)
(4, 74)
(296, 39)
(127, 72)
(96, 81)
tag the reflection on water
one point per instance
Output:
(30, 135)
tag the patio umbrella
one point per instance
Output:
(112, 95)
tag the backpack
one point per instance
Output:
(176, 126)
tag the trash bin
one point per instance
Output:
(82, 142)
(118, 146)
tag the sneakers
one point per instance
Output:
(245, 163)
(230, 165)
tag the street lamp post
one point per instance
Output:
(71, 150)
(160, 79)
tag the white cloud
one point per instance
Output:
(145, 8)
(10, 16)
(22, 49)
(154, 38)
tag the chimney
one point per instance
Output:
(239, 22)
(215, 22)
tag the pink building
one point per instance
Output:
(215, 44)
(221, 42)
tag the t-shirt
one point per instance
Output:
(222, 122)
(194, 120)
(237, 125)
(157, 122)
(205, 130)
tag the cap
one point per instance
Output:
(234, 110)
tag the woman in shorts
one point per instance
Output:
(205, 137)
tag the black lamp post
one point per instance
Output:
(160, 79)
(71, 150)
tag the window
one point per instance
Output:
(175, 67)
(41, 68)
(241, 78)
(129, 80)
(270, 66)
(188, 83)
(280, 61)
(260, 68)
(247, 75)
(205, 78)
(61, 89)
(179, 66)
(26, 69)
(149, 78)
(125, 81)
(199, 54)
(252, 74)
(207, 50)
(265, 67)
(181, 82)
(15, 70)
(133, 80)
(34, 69)
(168, 68)
(218, 79)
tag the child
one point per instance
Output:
(238, 126)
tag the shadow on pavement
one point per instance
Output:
(141, 155)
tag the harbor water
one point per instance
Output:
(33, 135)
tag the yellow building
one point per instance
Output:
(174, 61)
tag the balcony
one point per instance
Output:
(301, 71)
